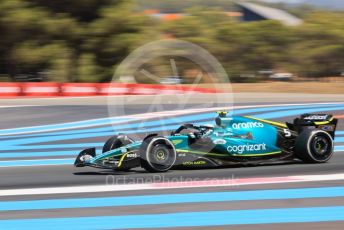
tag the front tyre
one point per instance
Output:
(158, 154)
(314, 146)
(116, 142)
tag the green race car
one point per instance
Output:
(231, 140)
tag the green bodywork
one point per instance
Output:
(237, 136)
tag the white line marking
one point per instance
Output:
(172, 185)
(17, 106)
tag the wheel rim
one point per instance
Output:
(321, 147)
(161, 156)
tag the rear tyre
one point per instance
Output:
(158, 154)
(314, 146)
(116, 141)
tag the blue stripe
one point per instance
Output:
(88, 135)
(131, 125)
(184, 219)
(339, 139)
(36, 162)
(173, 199)
(173, 120)
(19, 144)
(339, 148)
(150, 123)
(162, 126)
(56, 146)
(98, 122)
(86, 145)
(38, 154)
(72, 153)
(187, 118)
(74, 146)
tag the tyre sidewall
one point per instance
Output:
(304, 149)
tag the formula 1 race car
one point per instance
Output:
(231, 140)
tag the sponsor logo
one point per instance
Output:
(246, 148)
(219, 142)
(327, 127)
(132, 155)
(176, 142)
(199, 162)
(247, 125)
(86, 158)
(316, 117)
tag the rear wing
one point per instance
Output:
(325, 122)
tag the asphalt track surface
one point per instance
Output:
(39, 139)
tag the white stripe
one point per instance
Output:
(114, 90)
(17, 106)
(79, 89)
(41, 89)
(172, 185)
(10, 89)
